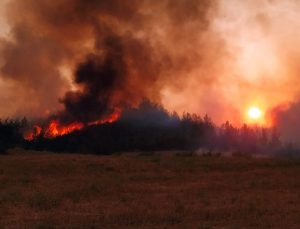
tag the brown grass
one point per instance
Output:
(147, 191)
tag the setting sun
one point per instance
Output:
(254, 113)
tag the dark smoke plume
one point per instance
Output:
(98, 78)
(120, 52)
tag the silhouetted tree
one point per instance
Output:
(10, 134)
(150, 127)
(228, 136)
(275, 142)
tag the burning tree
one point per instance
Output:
(150, 127)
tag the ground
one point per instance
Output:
(44, 190)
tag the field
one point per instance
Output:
(43, 190)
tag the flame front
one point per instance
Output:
(55, 128)
(34, 133)
(112, 118)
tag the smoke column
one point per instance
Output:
(118, 52)
(80, 59)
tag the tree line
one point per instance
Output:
(11, 133)
(149, 127)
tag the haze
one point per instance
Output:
(209, 57)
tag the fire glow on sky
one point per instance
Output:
(208, 57)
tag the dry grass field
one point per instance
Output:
(43, 190)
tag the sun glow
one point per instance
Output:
(254, 113)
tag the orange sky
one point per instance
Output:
(262, 41)
(256, 51)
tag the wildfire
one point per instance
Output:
(31, 135)
(56, 129)
(112, 118)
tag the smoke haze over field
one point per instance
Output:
(83, 59)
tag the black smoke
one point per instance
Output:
(98, 78)
(118, 52)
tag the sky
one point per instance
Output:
(6, 90)
(3, 23)
(261, 70)
(218, 57)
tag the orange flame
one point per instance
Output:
(31, 135)
(112, 118)
(56, 129)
